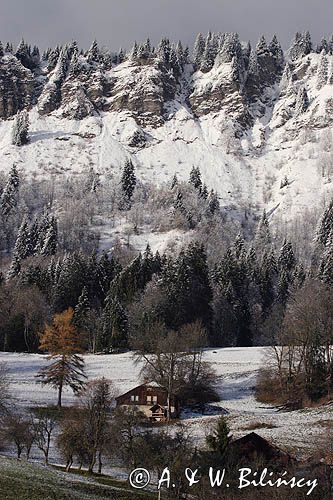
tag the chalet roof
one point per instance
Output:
(145, 384)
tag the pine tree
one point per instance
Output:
(198, 50)
(323, 45)
(326, 265)
(263, 236)
(218, 441)
(262, 48)
(15, 268)
(2, 52)
(287, 260)
(114, 324)
(302, 101)
(9, 197)
(63, 343)
(20, 129)
(276, 51)
(324, 230)
(23, 54)
(128, 183)
(322, 71)
(93, 54)
(81, 311)
(301, 46)
(213, 203)
(51, 239)
(195, 178)
(207, 58)
(24, 247)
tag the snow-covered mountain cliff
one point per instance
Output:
(256, 121)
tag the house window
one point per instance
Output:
(155, 399)
(149, 399)
(134, 398)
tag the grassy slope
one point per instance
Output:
(26, 481)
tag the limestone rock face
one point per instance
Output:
(142, 90)
(217, 91)
(16, 86)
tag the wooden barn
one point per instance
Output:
(152, 400)
(252, 447)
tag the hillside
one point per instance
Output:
(256, 121)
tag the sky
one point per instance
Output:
(118, 23)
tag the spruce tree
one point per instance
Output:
(262, 238)
(213, 203)
(195, 178)
(322, 71)
(128, 183)
(324, 230)
(20, 129)
(15, 268)
(198, 50)
(81, 312)
(114, 333)
(24, 246)
(276, 51)
(2, 52)
(9, 197)
(302, 101)
(93, 54)
(51, 239)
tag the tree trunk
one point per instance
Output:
(100, 465)
(59, 395)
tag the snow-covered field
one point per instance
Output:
(236, 370)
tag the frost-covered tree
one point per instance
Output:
(2, 52)
(302, 101)
(114, 324)
(207, 59)
(323, 45)
(326, 264)
(324, 230)
(213, 202)
(9, 195)
(263, 235)
(93, 54)
(51, 239)
(301, 46)
(262, 48)
(322, 71)
(128, 183)
(15, 268)
(23, 54)
(20, 130)
(24, 246)
(195, 178)
(198, 50)
(276, 51)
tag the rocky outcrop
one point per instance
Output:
(16, 86)
(139, 89)
(218, 90)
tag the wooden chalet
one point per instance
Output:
(152, 400)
